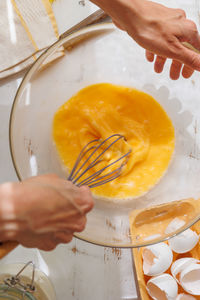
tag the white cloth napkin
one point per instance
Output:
(27, 27)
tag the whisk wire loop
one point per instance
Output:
(80, 157)
(91, 177)
(91, 165)
(78, 172)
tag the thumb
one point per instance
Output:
(87, 200)
(189, 56)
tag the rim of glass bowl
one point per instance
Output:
(27, 77)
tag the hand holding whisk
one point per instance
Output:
(87, 170)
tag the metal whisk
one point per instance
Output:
(87, 160)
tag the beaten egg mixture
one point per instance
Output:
(101, 110)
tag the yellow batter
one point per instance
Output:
(101, 110)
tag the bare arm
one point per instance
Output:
(158, 29)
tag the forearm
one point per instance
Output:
(158, 29)
(136, 17)
(114, 8)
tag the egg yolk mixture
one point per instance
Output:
(101, 110)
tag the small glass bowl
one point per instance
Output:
(28, 276)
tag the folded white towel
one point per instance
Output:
(27, 27)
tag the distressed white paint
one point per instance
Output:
(83, 271)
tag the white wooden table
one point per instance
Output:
(78, 270)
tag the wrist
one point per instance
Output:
(8, 203)
(7, 199)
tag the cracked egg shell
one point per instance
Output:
(162, 287)
(156, 259)
(190, 278)
(184, 242)
(180, 264)
(174, 225)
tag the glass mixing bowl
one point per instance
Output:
(102, 53)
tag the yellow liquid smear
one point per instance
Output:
(101, 110)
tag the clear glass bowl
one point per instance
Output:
(102, 53)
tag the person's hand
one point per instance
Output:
(160, 30)
(43, 211)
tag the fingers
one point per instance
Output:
(43, 241)
(184, 48)
(47, 241)
(177, 32)
(80, 198)
(188, 57)
(149, 56)
(57, 210)
(185, 31)
(50, 242)
(175, 69)
(72, 225)
(60, 221)
(80, 225)
(159, 64)
(87, 202)
(63, 237)
(187, 72)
